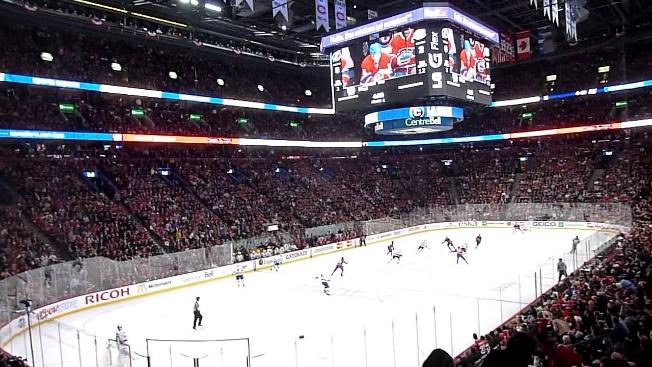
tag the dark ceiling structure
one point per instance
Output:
(603, 18)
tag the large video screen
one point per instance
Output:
(385, 68)
(466, 65)
(390, 56)
(402, 66)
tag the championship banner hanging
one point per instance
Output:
(571, 20)
(250, 3)
(280, 6)
(321, 15)
(340, 14)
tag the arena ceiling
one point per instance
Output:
(604, 17)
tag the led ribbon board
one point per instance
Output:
(105, 88)
(173, 139)
(139, 92)
(414, 120)
(577, 93)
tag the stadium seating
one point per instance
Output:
(148, 200)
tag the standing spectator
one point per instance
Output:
(438, 358)
(565, 355)
(518, 353)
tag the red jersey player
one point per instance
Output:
(340, 265)
(467, 61)
(346, 63)
(376, 66)
(403, 59)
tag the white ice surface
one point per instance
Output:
(375, 314)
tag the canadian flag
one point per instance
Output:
(523, 50)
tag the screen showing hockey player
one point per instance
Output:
(389, 56)
(374, 71)
(462, 65)
(468, 57)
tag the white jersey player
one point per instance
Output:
(519, 227)
(239, 277)
(325, 282)
(396, 255)
(422, 246)
(277, 264)
(460, 252)
(123, 342)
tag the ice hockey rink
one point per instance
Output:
(379, 314)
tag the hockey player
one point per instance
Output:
(397, 255)
(390, 248)
(340, 265)
(576, 241)
(402, 56)
(478, 239)
(239, 276)
(422, 246)
(198, 316)
(325, 282)
(376, 66)
(460, 254)
(517, 227)
(449, 244)
(121, 337)
(277, 264)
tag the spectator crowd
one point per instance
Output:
(145, 201)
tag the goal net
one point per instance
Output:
(199, 353)
(116, 355)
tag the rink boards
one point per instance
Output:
(62, 308)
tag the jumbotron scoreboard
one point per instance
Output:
(412, 72)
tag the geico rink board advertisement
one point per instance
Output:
(109, 296)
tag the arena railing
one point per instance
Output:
(437, 324)
(61, 281)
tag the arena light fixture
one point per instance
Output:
(220, 82)
(101, 6)
(284, 27)
(213, 7)
(260, 88)
(173, 75)
(116, 67)
(603, 69)
(551, 77)
(184, 1)
(160, 20)
(194, 2)
(46, 56)
(308, 92)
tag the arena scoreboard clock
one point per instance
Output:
(405, 59)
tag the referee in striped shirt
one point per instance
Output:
(198, 316)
